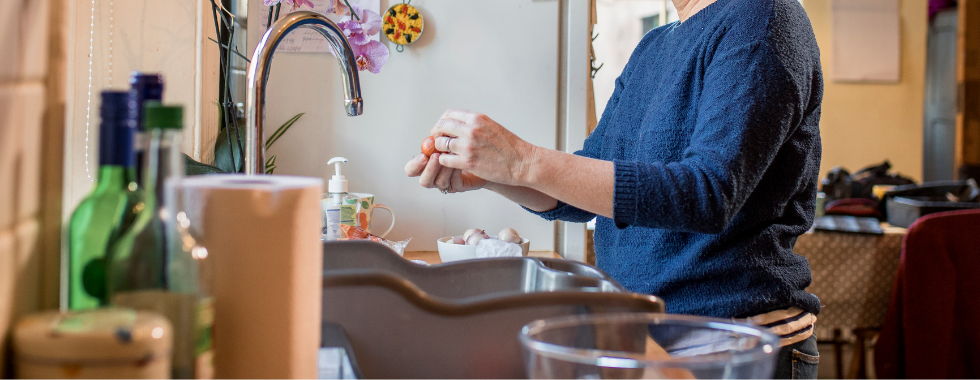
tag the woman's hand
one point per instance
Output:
(433, 175)
(430, 171)
(475, 152)
(478, 145)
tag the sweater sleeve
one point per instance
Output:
(748, 107)
(591, 149)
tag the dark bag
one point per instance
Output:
(840, 184)
(906, 204)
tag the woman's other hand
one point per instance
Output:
(433, 175)
(478, 145)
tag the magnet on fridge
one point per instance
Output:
(403, 24)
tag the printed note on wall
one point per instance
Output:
(305, 40)
(866, 41)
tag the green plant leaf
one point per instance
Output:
(270, 165)
(223, 153)
(192, 167)
(225, 150)
(279, 132)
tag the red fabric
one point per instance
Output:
(932, 327)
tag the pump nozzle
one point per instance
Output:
(337, 183)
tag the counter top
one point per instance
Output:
(432, 257)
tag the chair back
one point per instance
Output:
(930, 326)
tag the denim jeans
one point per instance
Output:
(798, 360)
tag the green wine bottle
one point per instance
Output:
(104, 214)
(156, 265)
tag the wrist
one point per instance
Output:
(527, 175)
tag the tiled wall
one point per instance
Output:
(46, 72)
(24, 97)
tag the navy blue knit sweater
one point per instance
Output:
(713, 129)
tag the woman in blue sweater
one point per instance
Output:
(702, 171)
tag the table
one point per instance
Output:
(432, 257)
(853, 276)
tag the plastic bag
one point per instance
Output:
(498, 248)
(357, 233)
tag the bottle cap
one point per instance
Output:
(115, 136)
(149, 85)
(143, 87)
(159, 116)
(337, 183)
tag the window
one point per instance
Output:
(620, 26)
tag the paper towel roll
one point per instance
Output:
(263, 233)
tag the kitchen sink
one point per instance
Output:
(397, 319)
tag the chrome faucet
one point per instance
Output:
(258, 77)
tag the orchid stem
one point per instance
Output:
(351, 9)
(237, 52)
(269, 24)
(221, 70)
(228, 97)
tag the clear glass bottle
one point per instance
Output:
(104, 214)
(157, 265)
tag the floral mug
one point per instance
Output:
(365, 212)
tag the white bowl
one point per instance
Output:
(455, 252)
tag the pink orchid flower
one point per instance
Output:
(370, 56)
(354, 32)
(293, 3)
(370, 21)
(339, 8)
(301, 3)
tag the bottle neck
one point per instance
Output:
(162, 164)
(115, 143)
(112, 177)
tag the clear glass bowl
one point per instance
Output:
(647, 346)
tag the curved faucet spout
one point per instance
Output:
(258, 78)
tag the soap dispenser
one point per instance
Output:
(336, 211)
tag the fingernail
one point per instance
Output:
(421, 158)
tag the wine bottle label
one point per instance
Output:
(204, 344)
(139, 139)
(192, 319)
(204, 366)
